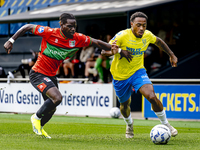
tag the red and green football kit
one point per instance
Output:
(55, 47)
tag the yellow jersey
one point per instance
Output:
(126, 40)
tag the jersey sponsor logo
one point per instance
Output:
(133, 49)
(41, 29)
(42, 86)
(60, 53)
(47, 79)
(132, 41)
(144, 76)
(136, 51)
(72, 43)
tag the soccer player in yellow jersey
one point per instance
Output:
(132, 74)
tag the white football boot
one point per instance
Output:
(173, 131)
(129, 131)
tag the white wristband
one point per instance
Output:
(119, 50)
(11, 40)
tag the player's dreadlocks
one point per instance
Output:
(138, 14)
(63, 18)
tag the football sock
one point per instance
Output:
(99, 68)
(45, 108)
(162, 116)
(100, 71)
(128, 120)
(47, 117)
(36, 117)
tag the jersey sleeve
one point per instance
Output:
(152, 37)
(42, 31)
(117, 37)
(83, 40)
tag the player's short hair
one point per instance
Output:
(63, 17)
(138, 14)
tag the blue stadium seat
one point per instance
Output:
(11, 7)
(4, 27)
(18, 10)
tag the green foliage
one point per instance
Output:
(81, 133)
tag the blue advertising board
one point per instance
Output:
(179, 101)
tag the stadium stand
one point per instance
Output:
(11, 7)
(156, 9)
(187, 68)
(20, 51)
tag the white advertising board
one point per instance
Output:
(78, 99)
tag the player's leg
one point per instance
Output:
(125, 108)
(126, 113)
(147, 91)
(46, 86)
(46, 118)
(48, 106)
(123, 91)
(48, 115)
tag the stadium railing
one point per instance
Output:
(8, 80)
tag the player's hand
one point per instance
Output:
(114, 48)
(173, 60)
(106, 53)
(123, 53)
(126, 54)
(8, 46)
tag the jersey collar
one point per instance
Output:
(63, 35)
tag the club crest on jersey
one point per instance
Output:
(72, 43)
(144, 41)
(41, 29)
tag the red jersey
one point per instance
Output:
(55, 47)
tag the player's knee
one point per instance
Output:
(124, 106)
(58, 99)
(152, 98)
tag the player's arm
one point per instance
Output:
(101, 45)
(163, 46)
(115, 49)
(9, 44)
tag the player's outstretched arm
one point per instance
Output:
(115, 49)
(100, 44)
(9, 44)
(163, 46)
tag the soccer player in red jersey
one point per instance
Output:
(56, 45)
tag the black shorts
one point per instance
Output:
(42, 82)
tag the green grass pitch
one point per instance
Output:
(91, 133)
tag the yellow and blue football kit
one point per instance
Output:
(130, 75)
